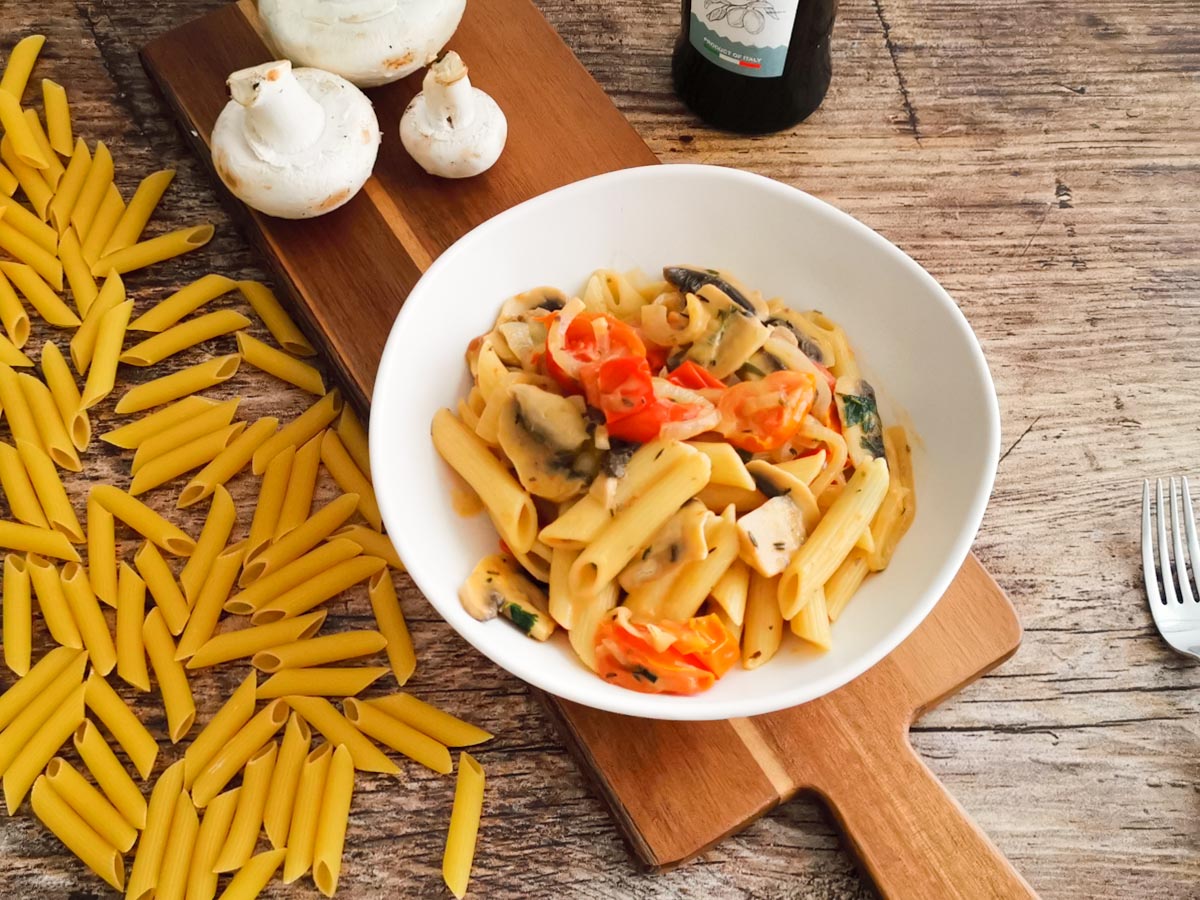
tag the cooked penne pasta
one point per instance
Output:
(186, 458)
(20, 65)
(390, 619)
(845, 580)
(270, 502)
(350, 479)
(18, 489)
(373, 543)
(41, 296)
(179, 384)
(301, 539)
(18, 614)
(337, 729)
(245, 642)
(284, 579)
(50, 427)
(302, 831)
(85, 610)
(281, 365)
(281, 794)
(122, 724)
(31, 720)
(402, 738)
(319, 651)
(218, 525)
(899, 506)
(464, 825)
(12, 314)
(28, 224)
(727, 466)
(214, 828)
(184, 335)
(24, 146)
(177, 855)
(154, 250)
(332, 820)
(302, 483)
(354, 437)
(33, 185)
(137, 433)
(91, 194)
(227, 722)
(253, 877)
(300, 430)
(141, 206)
(811, 624)
(11, 356)
(322, 681)
(66, 395)
(102, 552)
(170, 674)
(53, 170)
(58, 116)
(91, 804)
(268, 308)
(142, 519)
(214, 593)
(112, 207)
(25, 692)
(131, 609)
(247, 822)
(47, 585)
(146, 872)
(22, 772)
(79, 837)
(69, 187)
(762, 630)
(163, 587)
(83, 343)
(730, 591)
(102, 372)
(31, 539)
(50, 492)
(204, 422)
(228, 463)
(229, 760)
(318, 589)
(110, 774)
(438, 724)
(79, 276)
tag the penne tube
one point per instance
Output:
(67, 195)
(163, 587)
(13, 316)
(102, 552)
(170, 674)
(22, 772)
(301, 539)
(811, 624)
(302, 483)
(50, 492)
(25, 147)
(438, 724)
(211, 600)
(464, 825)
(318, 589)
(218, 525)
(319, 651)
(42, 541)
(177, 855)
(227, 722)
(16, 408)
(390, 619)
(31, 720)
(83, 343)
(253, 877)
(58, 116)
(695, 581)
(730, 591)
(228, 463)
(44, 263)
(229, 760)
(52, 172)
(135, 434)
(179, 384)
(270, 502)
(91, 804)
(284, 367)
(28, 224)
(247, 822)
(189, 298)
(332, 819)
(110, 774)
(155, 250)
(300, 430)
(184, 335)
(278, 583)
(717, 497)
(302, 831)
(18, 489)
(323, 681)
(762, 630)
(373, 543)
(41, 296)
(146, 872)
(50, 426)
(354, 437)
(8, 181)
(79, 837)
(247, 641)
(142, 519)
(268, 308)
(141, 206)
(395, 734)
(187, 458)
(33, 185)
(20, 64)
(18, 614)
(85, 610)
(66, 395)
(337, 729)
(112, 207)
(281, 794)
(122, 724)
(214, 828)
(47, 585)
(350, 479)
(509, 505)
(91, 194)
(204, 422)
(131, 610)
(26, 690)
(11, 356)
(102, 373)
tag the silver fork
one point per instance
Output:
(1175, 607)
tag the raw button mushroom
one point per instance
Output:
(294, 143)
(367, 42)
(452, 129)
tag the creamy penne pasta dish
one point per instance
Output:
(679, 471)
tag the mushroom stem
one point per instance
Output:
(281, 117)
(448, 92)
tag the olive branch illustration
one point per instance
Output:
(750, 15)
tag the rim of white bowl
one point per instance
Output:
(698, 708)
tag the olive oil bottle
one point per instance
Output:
(754, 65)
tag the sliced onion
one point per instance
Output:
(556, 337)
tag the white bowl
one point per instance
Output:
(914, 345)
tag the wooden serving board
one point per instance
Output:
(690, 784)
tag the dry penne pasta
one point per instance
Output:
(102, 552)
(85, 610)
(83, 342)
(13, 316)
(20, 65)
(247, 822)
(318, 651)
(50, 492)
(53, 170)
(24, 146)
(281, 365)
(69, 187)
(112, 207)
(170, 674)
(227, 722)
(228, 463)
(285, 578)
(18, 489)
(91, 194)
(155, 250)
(229, 760)
(91, 804)
(373, 543)
(66, 395)
(122, 724)
(33, 185)
(268, 308)
(332, 820)
(323, 681)
(186, 458)
(25, 691)
(41, 296)
(142, 519)
(438, 724)
(135, 216)
(32, 718)
(253, 877)
(102, 372)
(302, 831)
(131, 610)
(28, 224)
(349, 478)
(58, 116)
(464, 825)
(110, 774)
(214, 593)
(179, 384)
(390, 619)
(300, 430)
(214, 828)
(218, 525)
(177, 855)
(47, 585)
(402, 738)
(270, 501)
(22, 772)
(18, 614)
(354, 437)
(337, 729)
(302, 483)
(31, 539)
(248, 641)
(281, 794)
(163, 587)
(136, 433)
(318, 589)
(184, 335)
(10, 355)
(319, 526)
(50, 426)
(8, 181)
(147, 862)
(203, 423)
(79, 837)
(171, 310)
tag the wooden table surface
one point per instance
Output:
(1042, 160)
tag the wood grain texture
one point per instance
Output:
(1052, 191)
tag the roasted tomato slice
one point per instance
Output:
(765, 414)
(664, 657)
(583, 344)
(694, 377)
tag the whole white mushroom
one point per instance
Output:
(368, 42)
(451, 128)
(294, 143)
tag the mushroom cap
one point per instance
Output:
(455, 152)
(368, 42)
(315, 180)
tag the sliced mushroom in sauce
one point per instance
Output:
(811, 341)
(691, 280)
(498, 586)
(680, 540)
(732, 335)
(859, 413)
(546, 438)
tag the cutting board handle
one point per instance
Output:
(910, 834)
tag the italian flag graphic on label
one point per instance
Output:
(745, 36)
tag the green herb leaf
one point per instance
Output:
(520, 617)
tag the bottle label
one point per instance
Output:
(749, 37)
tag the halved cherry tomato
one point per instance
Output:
(618, 387)
(694, 377)
(580, 343)
(764, 414)
(656, 355)
(665, 657)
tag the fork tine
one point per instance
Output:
(1148, 571)
(1164, 549)
(1189, 521)
(1181, 572)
